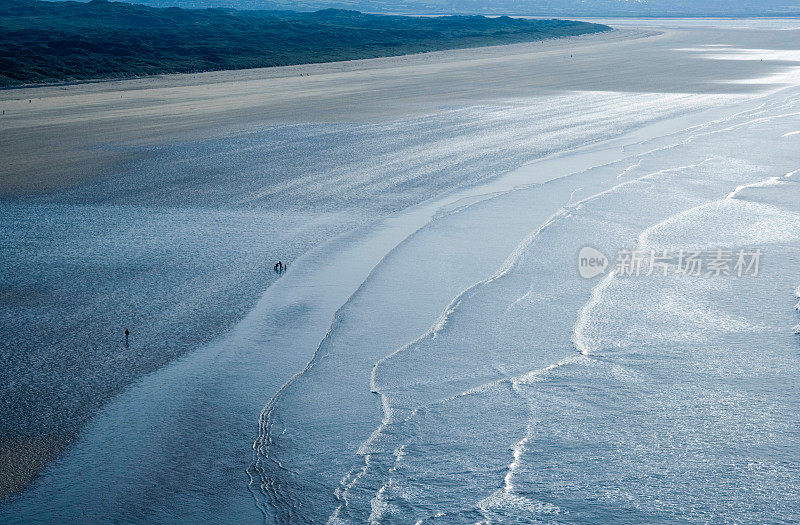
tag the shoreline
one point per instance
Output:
(218, 76)
(33, 463)
(72, 83)
(68, 134)
(148, 40)
(233, 364)
(336, 77)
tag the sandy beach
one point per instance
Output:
(416, 198)
(53, 136)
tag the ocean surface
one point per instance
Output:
(179, 244)
(541, 396)
(432, 354)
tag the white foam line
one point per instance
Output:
(772, 181)
(793, 133)
(761, 109)
(582, 323)
(511, 260)
(630, 168)
(762, 183)
(571, 195)
(579, 340)
(378, 506)
(341, 492)
(797, 307)
(504, 270)
(519, 447)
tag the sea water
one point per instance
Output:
(540, 396)
(178, 244)
(473, 375)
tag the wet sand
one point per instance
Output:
(22, 459)
(68, 133)
(55, 135)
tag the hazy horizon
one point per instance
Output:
(642, 8)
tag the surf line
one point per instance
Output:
(424, 213)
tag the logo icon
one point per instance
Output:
(591, 262)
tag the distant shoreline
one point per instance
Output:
(54, 42)
(73, 83)
(63, 135)
(71, 134)
(579, 16)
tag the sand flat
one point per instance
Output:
(55, 135)
(69, 133)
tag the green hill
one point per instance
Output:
(68, 41)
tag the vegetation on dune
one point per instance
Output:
(67, 41)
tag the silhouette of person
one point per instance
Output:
(127, 333)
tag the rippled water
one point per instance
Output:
(469, 374)
(662, 398)
(179, 244)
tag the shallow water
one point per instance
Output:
(469, 374)
(526, 403)
(178, 245)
